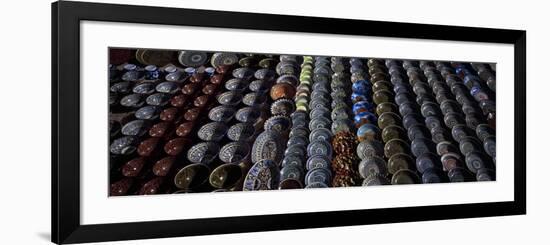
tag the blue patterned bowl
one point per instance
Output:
(368, 131)
(364, 118)
(361, 87)
(362, 106)
(356, 97)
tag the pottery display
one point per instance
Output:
(185, 121)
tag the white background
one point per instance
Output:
(25, 208)
(96, 208)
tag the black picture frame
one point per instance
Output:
(66, 18)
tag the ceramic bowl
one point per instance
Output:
(254, 99)
(367, 131)
(289, 79)
(265, 74)
(203, 153)
(241, 132)
(149, 112)
(132, 100)
(320, 134)
(317, 161)
(370, 148)
(158, 99)
(426, 161)
(260, 86)
(282, 107)
(282, 90)
(395, 146)
(319, 147)
(131, 76)
(176, 145)
(248, 61)
(388, 119)
(263, 175)
(236, 84)
(174, 76)
(192, 58)
(361, 87)
(290, 184)
(400, 161)
(280, 124)
(372, 165)
(268, 145)
(292, 172)
(144, 88)
(322, 175)
(225, 176)
(362, 106)
(405, 176)
(223, 59)
(125, 145)
(213, 131)
(382, 96)
(136, 128)
(293, 159)
(244, 73)
(229, 98)
(235, 153)
(248, 114)
(221, 113)
(192, 176)
(121, 87)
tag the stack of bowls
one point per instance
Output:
(201, 157)
(344, 142)
(293, 164)
(159, 126)
(370, 149)
(423, 147)
(487, 74)
(269, 147)
(463, 116)
(398, 137)
(319, 149)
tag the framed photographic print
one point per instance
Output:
(176, 122)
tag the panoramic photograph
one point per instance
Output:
(186, 121)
